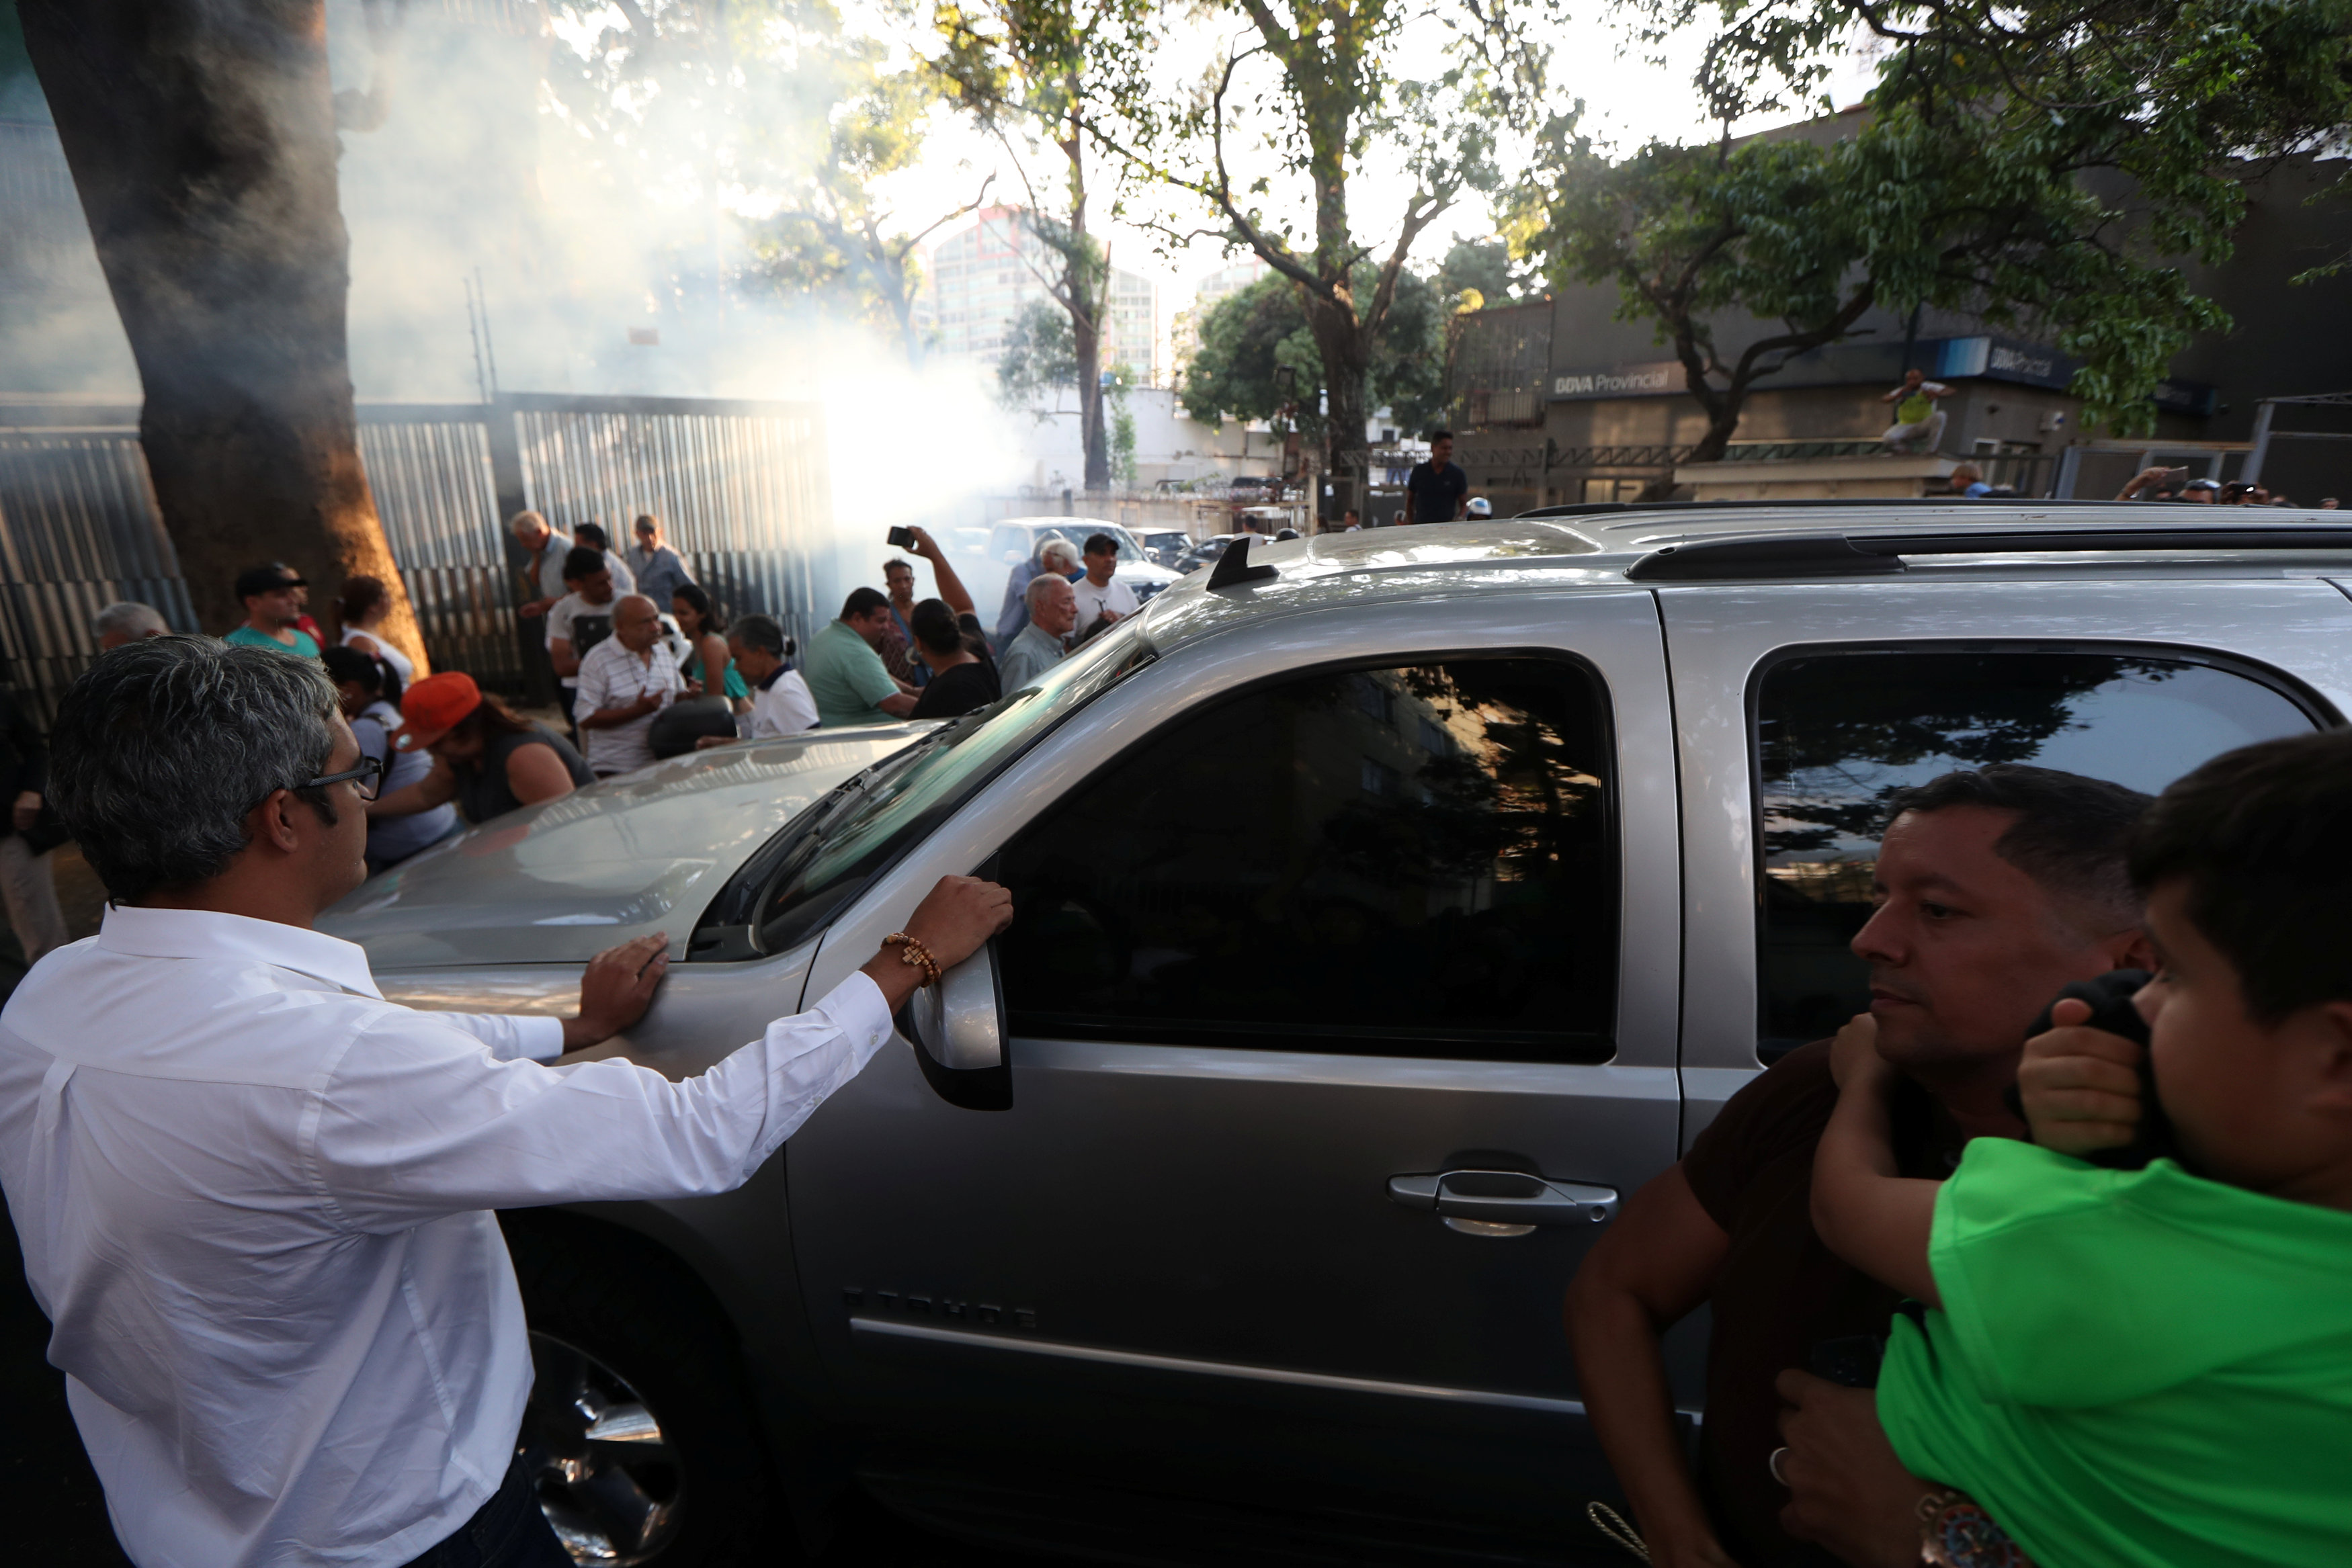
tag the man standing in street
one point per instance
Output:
(1994, 889)
(1052, 612)
(1918, 424)
(898, 648)
(256, 1199)
(625, 681)
(543, 582)
(845, 669)
(655, 566)
(272, 596)
(1102, 598)
(581, 618)
(1434, 490)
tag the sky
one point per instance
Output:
(1628, 98)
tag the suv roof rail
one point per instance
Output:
(1881, 554)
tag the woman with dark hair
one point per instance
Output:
(362, 607)
(962, 675)
(359, 688)
(486, 758)
(706, 634)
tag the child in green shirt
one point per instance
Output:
(2149, 1368)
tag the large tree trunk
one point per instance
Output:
(1085, 341)
(201, 134)
(1347, 353)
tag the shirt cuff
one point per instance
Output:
(856, 1006)
(540, 1038)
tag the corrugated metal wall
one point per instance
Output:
(742, 487)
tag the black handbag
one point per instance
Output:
(678, 727)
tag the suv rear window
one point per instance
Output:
(1838, 733)
(1414, 861)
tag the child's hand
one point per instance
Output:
(1854, 1052)
(2080, 1086)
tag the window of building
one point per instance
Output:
(1837, 733)
(1414, 861)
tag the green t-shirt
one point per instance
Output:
(846, 678)
(2132, 1367)
(248, 637)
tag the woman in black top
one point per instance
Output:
(964, 676)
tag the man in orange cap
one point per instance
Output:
(486, 757)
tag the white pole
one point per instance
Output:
(2253, 472)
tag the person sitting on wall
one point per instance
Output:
(1918, 424)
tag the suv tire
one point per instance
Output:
(624, 1338)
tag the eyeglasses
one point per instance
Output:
(366, 779)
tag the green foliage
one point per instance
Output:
(1250, 334)
(1122, 444)
(1486, 268)
(1039, 357)
(2046, 165)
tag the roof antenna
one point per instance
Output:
(1234, 569)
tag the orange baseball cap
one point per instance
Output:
(434, 707)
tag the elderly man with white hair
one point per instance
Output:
(1056, 556)
(542, 578)
(128, 621)
(1053, 606)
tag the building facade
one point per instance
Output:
(980, 280)
(1560, 402)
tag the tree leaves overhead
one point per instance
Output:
(1250, 334)
(2046, 166)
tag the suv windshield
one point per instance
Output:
(828, 854)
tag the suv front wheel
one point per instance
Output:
(644, 1449)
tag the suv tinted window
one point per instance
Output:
(1414, 861)
(1837, 733)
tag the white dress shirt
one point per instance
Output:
(253, 1198)
(612, 677)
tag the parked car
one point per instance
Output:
(1380, 923)
(1208, 550)
(1166, 547)
(1017, 539)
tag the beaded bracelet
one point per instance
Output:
(914, 954)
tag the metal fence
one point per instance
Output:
(742, 487)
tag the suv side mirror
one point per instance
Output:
(957, 1029)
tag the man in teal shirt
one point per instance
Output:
(273, 602)
(845, 671)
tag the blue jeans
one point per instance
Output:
(508, 1532)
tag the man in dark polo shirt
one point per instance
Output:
(1434, 490)
(1994, 889)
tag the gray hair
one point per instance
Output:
(162, 748)
(132, 619)
(760, 632)
(527, 519)
(1041, 585)
(1059, 550)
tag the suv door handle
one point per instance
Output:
(1503, 1202)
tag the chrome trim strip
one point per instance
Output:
(1215, 1368)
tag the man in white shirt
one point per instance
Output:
(255, 1198)
(1103, 599)
(625, 681)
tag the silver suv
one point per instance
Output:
(1389, 904)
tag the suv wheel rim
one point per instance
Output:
(608, 1478)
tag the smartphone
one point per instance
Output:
(902, 538)
(2176, 476)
